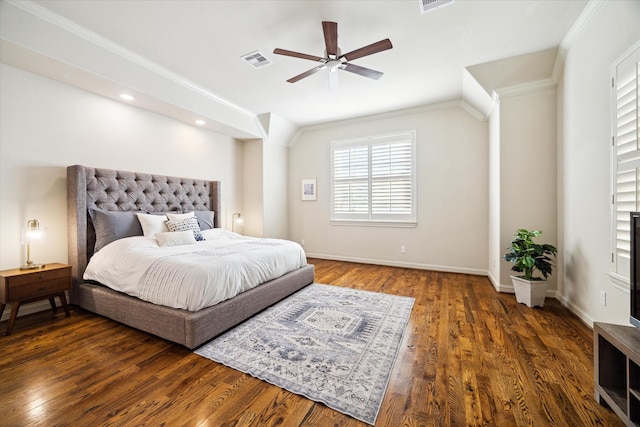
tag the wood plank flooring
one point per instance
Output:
(470, 357)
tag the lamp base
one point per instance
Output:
(31, 266)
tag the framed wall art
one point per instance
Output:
(309, 189)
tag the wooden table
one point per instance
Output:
(19, 287)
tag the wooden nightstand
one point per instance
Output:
(22, 286)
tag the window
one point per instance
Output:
(373, 180)
(626, 155)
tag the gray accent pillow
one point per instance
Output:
(205, 219)
(113, 225)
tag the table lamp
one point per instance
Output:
(30, 233)
(237, 220)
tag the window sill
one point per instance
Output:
(618, 281)
(389, 224)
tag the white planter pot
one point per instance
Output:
(529, 292)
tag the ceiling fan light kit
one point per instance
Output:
(334, 59)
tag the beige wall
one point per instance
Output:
(276, 212)
(528, 171)
(452, 164)
(252, 189)
(46, 126)
(585, 167)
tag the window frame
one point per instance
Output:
(370, 218)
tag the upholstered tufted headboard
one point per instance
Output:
(115, 190)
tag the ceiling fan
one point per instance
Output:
(334, 60)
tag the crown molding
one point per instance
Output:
(589, 11)
(525, 89)
(457, 103)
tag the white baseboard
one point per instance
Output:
(499, 286)
(588, 320)
(418, 266)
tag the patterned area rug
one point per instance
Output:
(331, 344)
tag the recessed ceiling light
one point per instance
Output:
(201, 122)
(126, 97)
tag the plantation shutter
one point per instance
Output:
(351, 181)
(373, 179)
(627, 156)
(391, 177)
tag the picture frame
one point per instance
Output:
(309, 189)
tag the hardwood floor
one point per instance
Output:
(470, 356)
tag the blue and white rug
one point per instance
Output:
(331, 344)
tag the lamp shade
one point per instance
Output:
(30, 233)
(237, 219)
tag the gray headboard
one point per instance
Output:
(124, 191)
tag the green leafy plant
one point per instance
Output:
(528, 256)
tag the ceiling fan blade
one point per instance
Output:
(306, 74)
(298, 55)
(368, 50)
(366, 72)
(330, 37)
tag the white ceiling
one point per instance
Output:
(203, 41)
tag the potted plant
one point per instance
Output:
(527, 257)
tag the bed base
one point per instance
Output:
(191, 328)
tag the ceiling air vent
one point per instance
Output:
(429, 5)
(256, 59)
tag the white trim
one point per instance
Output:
(581, 314)
(495, 103)
(526, 88)
(417, 266)
(619, 282)
(395, 113)
(390, 224)
(586, 15)
(477, 114)
(494, 282)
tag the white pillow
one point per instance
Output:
(175, 238)
(152, 224)
(180, 217)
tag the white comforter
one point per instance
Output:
(193, 276)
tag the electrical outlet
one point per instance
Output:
(603, 297)
(403, 250)
(302, 242)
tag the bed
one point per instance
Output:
(122, 191)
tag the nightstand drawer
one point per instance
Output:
(38, 276)
(38, 288)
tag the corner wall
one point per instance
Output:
(528, 172)
(585, 169)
